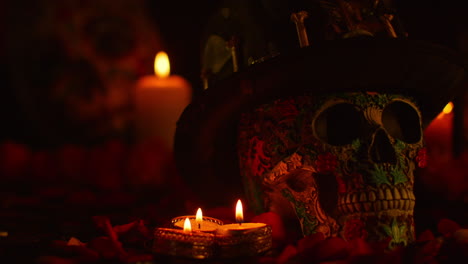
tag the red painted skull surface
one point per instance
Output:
(343, 163)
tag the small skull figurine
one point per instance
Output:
(344, 162)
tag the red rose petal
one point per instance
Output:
(104, 246)
(381, 245)
(428, 252)
(119, 229)
(447, 227)
(84, 253)
(288, 252)
(426, 236)
(333, 248)
(310, 241)
(359, 246)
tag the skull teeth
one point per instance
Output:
(363, 197)
(374, 201)
(388, 195)
(404, 194)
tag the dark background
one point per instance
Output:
(181, 25)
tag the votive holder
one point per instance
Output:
(232, 243)
(174, 242)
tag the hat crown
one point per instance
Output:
(243, 33)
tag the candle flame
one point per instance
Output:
(162, 67)
(199, 216)
(239, 212)
(187, 226)
(448, 108)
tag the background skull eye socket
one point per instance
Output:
(339, 125)
(402, 122)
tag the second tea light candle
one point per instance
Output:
(198, 222)
(243, 239)
(240, 226)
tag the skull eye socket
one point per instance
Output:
(402, 122)
(339, 125)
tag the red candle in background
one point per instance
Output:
(438, 134)
(445, 174)
(159, 101)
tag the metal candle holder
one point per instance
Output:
(222, 245)
(174, 242)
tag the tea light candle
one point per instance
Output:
(240, 227)
(198, 222)
(159, 101)
(243, 239)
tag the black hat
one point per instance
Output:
(205, 142)
(356, 46)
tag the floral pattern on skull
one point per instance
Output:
(343, 162)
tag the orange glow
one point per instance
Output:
(162, 67)
(239, 212)
(187, 226)
(448, 108)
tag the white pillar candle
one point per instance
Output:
(159, 101)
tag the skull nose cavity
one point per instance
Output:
(381, 149)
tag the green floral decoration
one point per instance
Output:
(309, 224)
(397, 233)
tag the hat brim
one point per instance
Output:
(205, 140)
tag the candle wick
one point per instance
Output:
(240, 223)
(199, 226)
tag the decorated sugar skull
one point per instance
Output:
(344, 162)
(329, 135)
